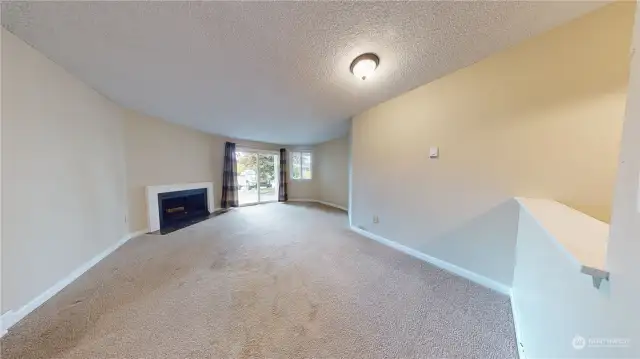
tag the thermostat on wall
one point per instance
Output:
(434, 152)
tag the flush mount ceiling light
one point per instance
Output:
(364, 65)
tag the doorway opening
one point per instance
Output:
(257, 176)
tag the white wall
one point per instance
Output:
(624, 242)
(2, 310)
(554, 302)
(332, 159)
(542, 119)
(63, 173)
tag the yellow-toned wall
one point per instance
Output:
(541, 119)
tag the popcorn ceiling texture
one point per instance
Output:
(271, 71)
(269, 281)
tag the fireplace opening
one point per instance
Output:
(180, 209)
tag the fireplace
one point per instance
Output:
(179, 209)
(155, 213)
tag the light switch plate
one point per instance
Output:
(434, 152)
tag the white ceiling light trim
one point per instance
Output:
(365, 65)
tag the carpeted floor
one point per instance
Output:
(268, 281)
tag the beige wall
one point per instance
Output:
(304, 189)
(333, 171)
(542, 119)
(75, 167)
(159, 152)
(63, 173)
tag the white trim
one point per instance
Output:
(153, 219)
(580, 237)
(8, 319)
(276, 168)
(256, 150)
(256, 203)
(465, 273)
(291, 152)
(318, 201)
(514, 312)
(333, 205)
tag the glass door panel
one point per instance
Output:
(306, 165)
(247, 172)
(268, 169)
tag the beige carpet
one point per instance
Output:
(268, 281)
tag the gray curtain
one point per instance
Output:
(282, 188)
(229, 177)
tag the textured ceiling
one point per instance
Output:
(271, 71)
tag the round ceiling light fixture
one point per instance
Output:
(364, 65)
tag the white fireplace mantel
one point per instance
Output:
(153, 218)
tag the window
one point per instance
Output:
(301, 165)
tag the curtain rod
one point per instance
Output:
(275, 147)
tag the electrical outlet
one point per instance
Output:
(376, 219)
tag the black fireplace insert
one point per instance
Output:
(180, 209)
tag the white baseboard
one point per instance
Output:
(8, 319)
(333, 205)
(318, 201)
(465, 273)
(516, 318)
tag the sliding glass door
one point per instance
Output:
(257, 176)
(247, 171)
(268, 172)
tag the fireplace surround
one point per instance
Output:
(164, 202)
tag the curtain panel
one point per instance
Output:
(282, 188)
(229, 177)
